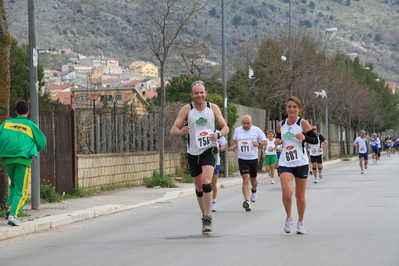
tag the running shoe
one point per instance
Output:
(247, 206)
(214, 208)
(300, 228)
(315, 181)
(13, 221)
(288, 225)
(272, 180)
(362, 172)
(365, 166)
(207, 223)
(320, 174)
(269, 173)
(254, 197)
(310, 172)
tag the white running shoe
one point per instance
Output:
(315, 181)
(288, 225)
(320, 174)
(247, 206)
(269, 173)
(365, 166)
(254, 197)
(272, 180)
(310, 172)
(362, 172)
(214, 208)
(13, 221)
(300, 228)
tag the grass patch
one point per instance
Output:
(157, 181)
(345, 156)
(188, 179)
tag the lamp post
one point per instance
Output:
(349, 116)
(326, 31)
(224, 78)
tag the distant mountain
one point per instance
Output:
(369, 28)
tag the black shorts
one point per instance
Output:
(248, 167)
(195, 162)
(299, 172)
(316, 159)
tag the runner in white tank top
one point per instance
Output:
(201, 116)
(292, 133)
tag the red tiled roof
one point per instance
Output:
(64, 97)
(134, 82)
(58, 87)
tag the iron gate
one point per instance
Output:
(58, 160)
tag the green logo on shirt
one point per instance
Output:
(201, 121)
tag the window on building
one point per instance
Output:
(81, 98)
(106, 98)
(118, 97)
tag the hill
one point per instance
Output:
(110, 27)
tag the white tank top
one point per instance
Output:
(269, 149)
(202, 124)
(314, 148)
(294, 152)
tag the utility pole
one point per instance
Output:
(34, 102)
(226, 153)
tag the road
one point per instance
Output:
(350, 220)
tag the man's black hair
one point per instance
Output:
(22, 107)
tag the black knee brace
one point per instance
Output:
(207, 188)
(320, 169)
(199, 194)
(314, 169)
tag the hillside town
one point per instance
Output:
(87, 82)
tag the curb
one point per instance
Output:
(75, 216)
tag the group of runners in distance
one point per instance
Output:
(295, 147)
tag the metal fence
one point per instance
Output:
(110, 131)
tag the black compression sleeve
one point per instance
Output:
(310, 137)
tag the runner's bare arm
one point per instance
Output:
(181, 117)
(278, 135)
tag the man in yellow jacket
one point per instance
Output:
(20, 140)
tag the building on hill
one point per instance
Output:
(97, 62)
(113, 97)
(147, 69)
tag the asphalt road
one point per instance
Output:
(350, 220)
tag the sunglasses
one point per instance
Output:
(196, 82)
(314, 129)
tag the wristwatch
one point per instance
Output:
(219, 135)
(259, 142)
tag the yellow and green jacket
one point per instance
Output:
(20, 139)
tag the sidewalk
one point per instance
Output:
(51, 215)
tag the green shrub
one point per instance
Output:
(157, 180)
(48, 193)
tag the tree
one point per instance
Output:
(166, 19)
(19, 67)
(5, 83)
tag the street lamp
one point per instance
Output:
(349, 116)
(326, 31)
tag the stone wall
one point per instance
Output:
(98, 170)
